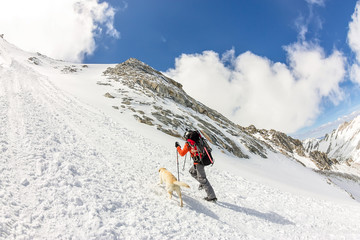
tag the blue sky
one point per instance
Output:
(157, 32)
(291, 65)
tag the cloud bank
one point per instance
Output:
(250, 89)
(354, 43)
(63, 29)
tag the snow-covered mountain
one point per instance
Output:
(342, 144)
(161, 102)
(81, 145)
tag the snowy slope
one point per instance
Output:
(72, 167)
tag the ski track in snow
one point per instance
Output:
(69, 172)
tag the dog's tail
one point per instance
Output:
(181, 184)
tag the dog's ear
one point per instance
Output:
(160, 169)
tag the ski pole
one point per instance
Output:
(177, 163)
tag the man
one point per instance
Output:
(197, 170)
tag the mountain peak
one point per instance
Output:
(135, 61)
(137, 70)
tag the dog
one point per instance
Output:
(172, 184)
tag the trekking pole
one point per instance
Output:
(184, 163)
(177, 163)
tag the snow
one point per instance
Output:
(306, 161)
(73, 167)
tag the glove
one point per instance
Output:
(177, 144)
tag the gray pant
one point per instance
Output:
(198, 172)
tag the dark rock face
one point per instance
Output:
(323, 162)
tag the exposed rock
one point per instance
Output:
(108, 95)
(277, 140)
(69, 69)
(141, 112)
(169, 132)
(144, 119)
(104, 84)
(34, 60)
(321, 160)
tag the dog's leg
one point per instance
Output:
(161, 180)
(179, 194)
(170, 194)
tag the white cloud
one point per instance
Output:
(302, 23)
(355, 73)
(318, 2)
(250, 89)
(63, 29)
(354, 43)
(354, 32)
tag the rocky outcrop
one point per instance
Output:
(278, 140)
(322, 161)
(108, 95)
(34, 60)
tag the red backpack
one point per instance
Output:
(200, 149)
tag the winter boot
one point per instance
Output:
(210, 199)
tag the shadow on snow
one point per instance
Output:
(270, 216)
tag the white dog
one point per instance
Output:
(172, 184)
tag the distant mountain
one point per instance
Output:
(292, 148)
(324, 129)
(343, 143)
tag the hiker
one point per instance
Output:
(197, 170)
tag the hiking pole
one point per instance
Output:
(177, 163)
(184, 162)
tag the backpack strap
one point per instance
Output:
(194, 151)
